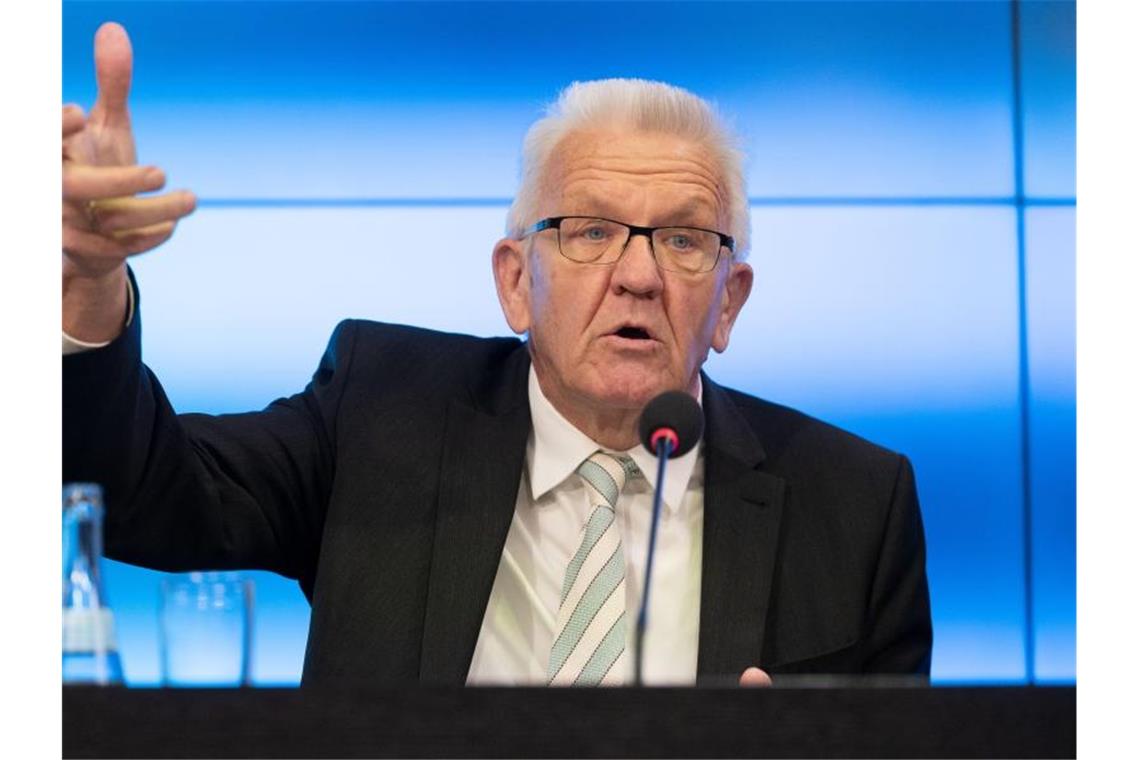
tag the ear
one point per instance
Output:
(736, 291)
(512, 282)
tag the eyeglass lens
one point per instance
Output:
(600, 241)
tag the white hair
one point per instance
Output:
(635, 104)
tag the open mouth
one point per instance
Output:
(633, 333)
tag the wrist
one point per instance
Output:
(95, 308)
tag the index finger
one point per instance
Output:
(113, 60)
(86, 183)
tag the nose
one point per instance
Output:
(636, 271)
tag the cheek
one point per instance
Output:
(693, 318)
(547, 301)
(566, 301)
(555, 322)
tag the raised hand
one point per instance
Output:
(104, 220)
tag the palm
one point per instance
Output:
(98, 144)
(101, 144)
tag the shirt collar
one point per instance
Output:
(556, 448)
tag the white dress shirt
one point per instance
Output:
(550, 512)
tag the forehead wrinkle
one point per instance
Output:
(582, 194)
(678, 169)
(687, 210)
(588, 157)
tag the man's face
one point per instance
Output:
(614, 336)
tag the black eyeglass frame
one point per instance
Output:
(555, 223)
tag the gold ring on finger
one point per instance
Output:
(92, 215)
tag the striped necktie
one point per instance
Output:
(589, 642)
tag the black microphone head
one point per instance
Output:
(675, 411)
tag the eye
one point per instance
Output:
(588, 231)
(680, 241)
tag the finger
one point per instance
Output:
(91, 245)
(128, 213)
(113, 58)
(73, 120)
(75, 214)
(82, 183)
(755, 677)
(161, 230)
(88, 245)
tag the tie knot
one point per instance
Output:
(606, 473)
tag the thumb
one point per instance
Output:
(112, 73)
(755, 677)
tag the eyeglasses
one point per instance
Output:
(593, 240)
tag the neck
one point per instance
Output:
(612, 426)
(614, 429)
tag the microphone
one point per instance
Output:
(670, 426)
(674, 417)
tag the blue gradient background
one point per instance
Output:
(912, 176)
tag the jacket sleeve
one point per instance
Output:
(899, 636)
(197, 491)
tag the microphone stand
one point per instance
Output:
(665, 445)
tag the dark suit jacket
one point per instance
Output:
(387, 486)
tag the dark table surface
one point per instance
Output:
(699, 722)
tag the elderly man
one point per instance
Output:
(462, 510)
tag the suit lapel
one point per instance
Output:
(743, 506)
(483, 453)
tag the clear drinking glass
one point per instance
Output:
(206, 629)
(90, 653)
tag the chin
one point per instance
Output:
(631, 390)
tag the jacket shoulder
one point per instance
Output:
(795, 441)
(369, 333)
(415, 361)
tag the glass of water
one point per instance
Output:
(206, 629)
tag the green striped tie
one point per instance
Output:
(589, 641)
